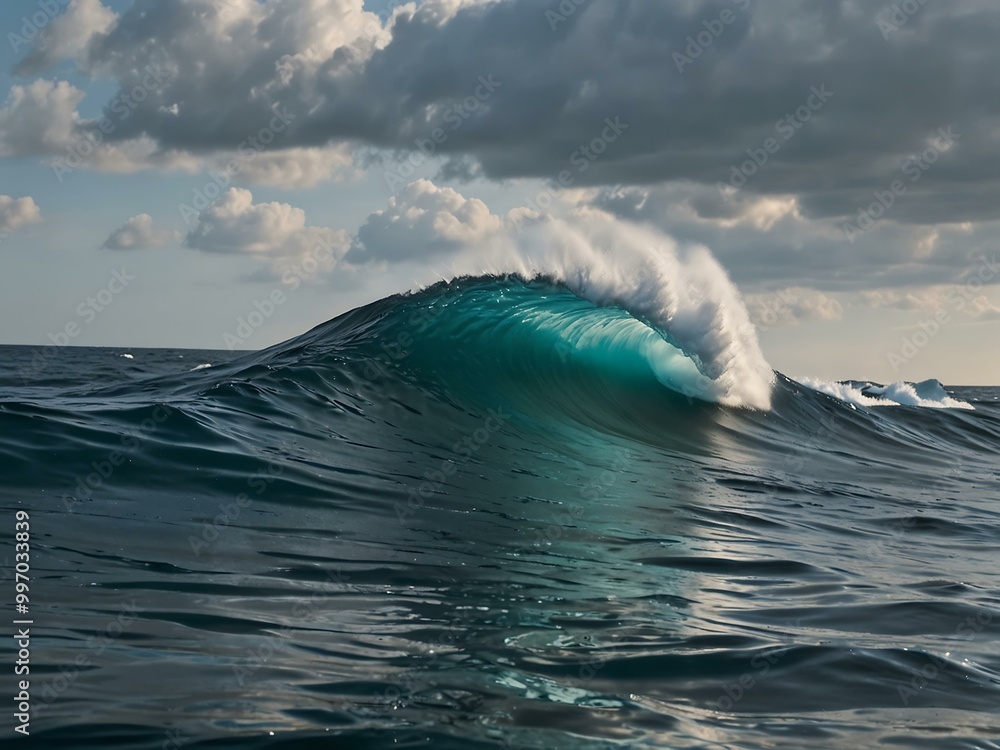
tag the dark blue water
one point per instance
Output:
(492, 515)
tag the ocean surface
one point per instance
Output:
(499, 513)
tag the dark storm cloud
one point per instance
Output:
(701, 86)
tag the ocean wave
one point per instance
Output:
(681, 293)
(928, 394)
(525, 505)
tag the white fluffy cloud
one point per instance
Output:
(275, 233)
(16, 212)
(297, 167)
(138, 232)
(39, 118)
(425, 220)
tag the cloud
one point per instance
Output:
(139, 232)
(964, 298)
(275, 233)
(355, 81)
(791, 306)
(39, 119)
(42, 119)
(424, 220)
(296, 167)
(66, 36)
(767, 241)
(17, 212)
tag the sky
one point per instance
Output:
(170, 169)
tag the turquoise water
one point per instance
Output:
(495, 515)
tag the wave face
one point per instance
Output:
(526, 510)
(538, 345)
(684, 295)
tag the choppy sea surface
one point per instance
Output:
(497, 514)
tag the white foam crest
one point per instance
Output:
(929, 394)
(843, 391)
(684, 293)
